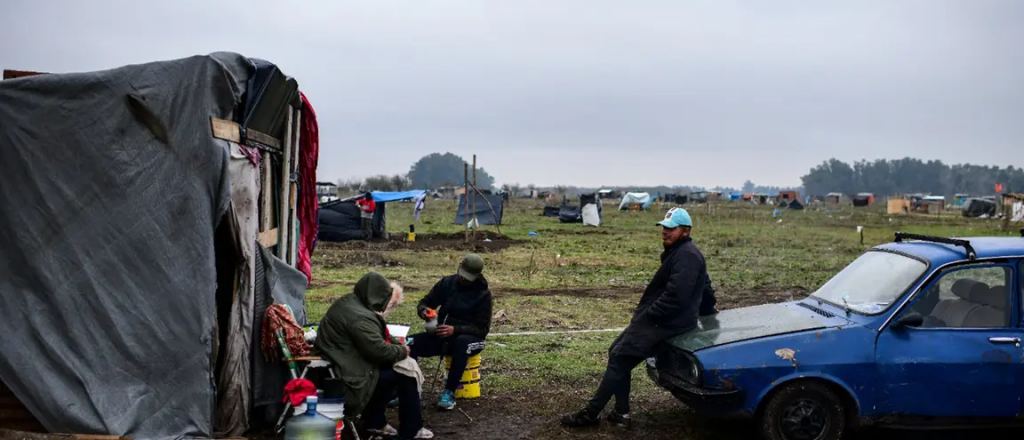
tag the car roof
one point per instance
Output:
(985, 247)
(938, 253)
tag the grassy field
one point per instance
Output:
(572, 277)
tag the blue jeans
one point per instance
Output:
(410, 416)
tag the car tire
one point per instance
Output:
(804, 411)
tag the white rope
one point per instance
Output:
(558, 332)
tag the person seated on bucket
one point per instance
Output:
(353, 335)
(464, 319)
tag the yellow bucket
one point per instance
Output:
(469, 385)
(410, 237)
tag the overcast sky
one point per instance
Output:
(593, 92)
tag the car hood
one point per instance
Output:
(745, 323)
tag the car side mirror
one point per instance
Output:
(909, 320)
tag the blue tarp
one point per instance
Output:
(736, 196)
(383, 196)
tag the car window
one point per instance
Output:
(872, 282)
(967, 297)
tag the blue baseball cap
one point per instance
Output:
(675, 218)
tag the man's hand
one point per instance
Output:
(444, 331)
(408, 352)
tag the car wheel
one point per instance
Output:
(804, 411)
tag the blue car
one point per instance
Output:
(924, 331)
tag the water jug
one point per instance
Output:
(311, 425)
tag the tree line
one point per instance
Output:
(909, 176)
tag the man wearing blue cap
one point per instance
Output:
(669, 306)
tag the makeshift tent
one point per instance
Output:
(861, 200)
(735, 197)
(631, 198)
(979, 207)
(796, 205)
(488, 209)
(550, 211)
(646, 205)
(590, 210)
(898, 206)
(143, 208)
(681, 199)
(339, 220)
(570, 214)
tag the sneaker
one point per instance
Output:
(386, 431)
(579, 419)
(424, 434)
(447, 400)
(620, 420)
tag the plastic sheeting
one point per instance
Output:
(385, 196)
(107, 269)
(484, 214)
(630, 198)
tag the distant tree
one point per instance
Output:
(909, 175)
(437, 170)
(748, 187)
(400, 182)
(515, 188)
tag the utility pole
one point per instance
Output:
(474, 197)
(465, 195)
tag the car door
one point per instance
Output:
(966, 359)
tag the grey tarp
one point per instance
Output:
(488, 209)
(107, 271)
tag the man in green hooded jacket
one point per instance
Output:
(353, 336)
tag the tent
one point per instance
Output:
(681, 199)
(735, 196)
(863, 199)
(979, 207)
(796, 205)
(339, 220)
(631, 198)
(590, 211)
(550, 211)
(149, 221)
(898, 206)
(488, 209)
(570, 214)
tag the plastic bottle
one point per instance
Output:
(311, 425)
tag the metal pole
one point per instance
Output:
(465, 195)
(474, 197)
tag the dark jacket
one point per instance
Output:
(670, 303)
(351, 335)
(466, 308)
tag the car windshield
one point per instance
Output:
(871, 282)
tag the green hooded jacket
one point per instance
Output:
(351, 335)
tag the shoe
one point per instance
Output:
(424, 434)
(447, 400)
(620, 420)
(386, 431)
(579, 419)
(393, 403)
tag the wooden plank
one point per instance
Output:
(230, 131)
(266, 189)
(293, 217)
(268, 238)
(286, 166)
(8, 434)
(307, 358)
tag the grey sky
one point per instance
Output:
(593, 92)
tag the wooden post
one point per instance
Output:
(266, 186)
(285, 230)
(465, 195)
(293, 226)
(475, 225)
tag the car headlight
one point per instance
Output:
(681, 364)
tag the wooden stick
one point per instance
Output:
(293, 226)
(465, 193)
(488, 202)
(266, 206)
(475, 224)
(284, 232)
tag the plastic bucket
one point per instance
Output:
(331, 408)
(469, 384)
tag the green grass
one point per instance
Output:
(575, 277)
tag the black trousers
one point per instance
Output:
(459, 347)
(616, 382)
(367, 226)
(410, 415)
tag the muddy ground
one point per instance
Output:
(426, 242)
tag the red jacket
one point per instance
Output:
(366, 205)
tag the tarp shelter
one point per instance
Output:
(681, 199)
(551, 211)
(144, 234)
(789, 196)
(339, 220)
(488, 209)
(570, 214)
(835, 198)
(796, 205)
(735, 197)
(979, 207)
(959, 199)
(590, 209)
(863, 199)
(633, 198)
